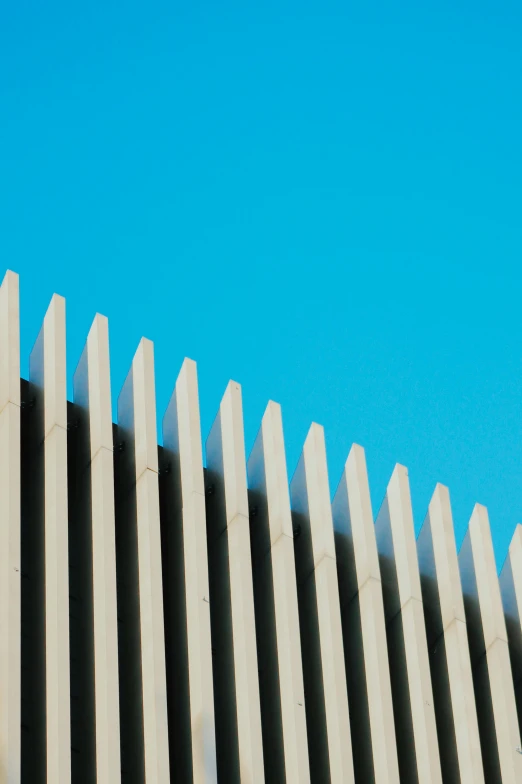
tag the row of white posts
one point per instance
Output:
(230, 625)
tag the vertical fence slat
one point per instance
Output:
(92, 393)
(364, 631)
(327, 714)
(236, 678)
(48, 376)
(137, 419)
(277, 615)
(455, 709)
(187, 587)
(494, 692)
(415, 723)
(511, 589)
(10, 610)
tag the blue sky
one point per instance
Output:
(319, 200)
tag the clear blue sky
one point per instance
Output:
(320, 200)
